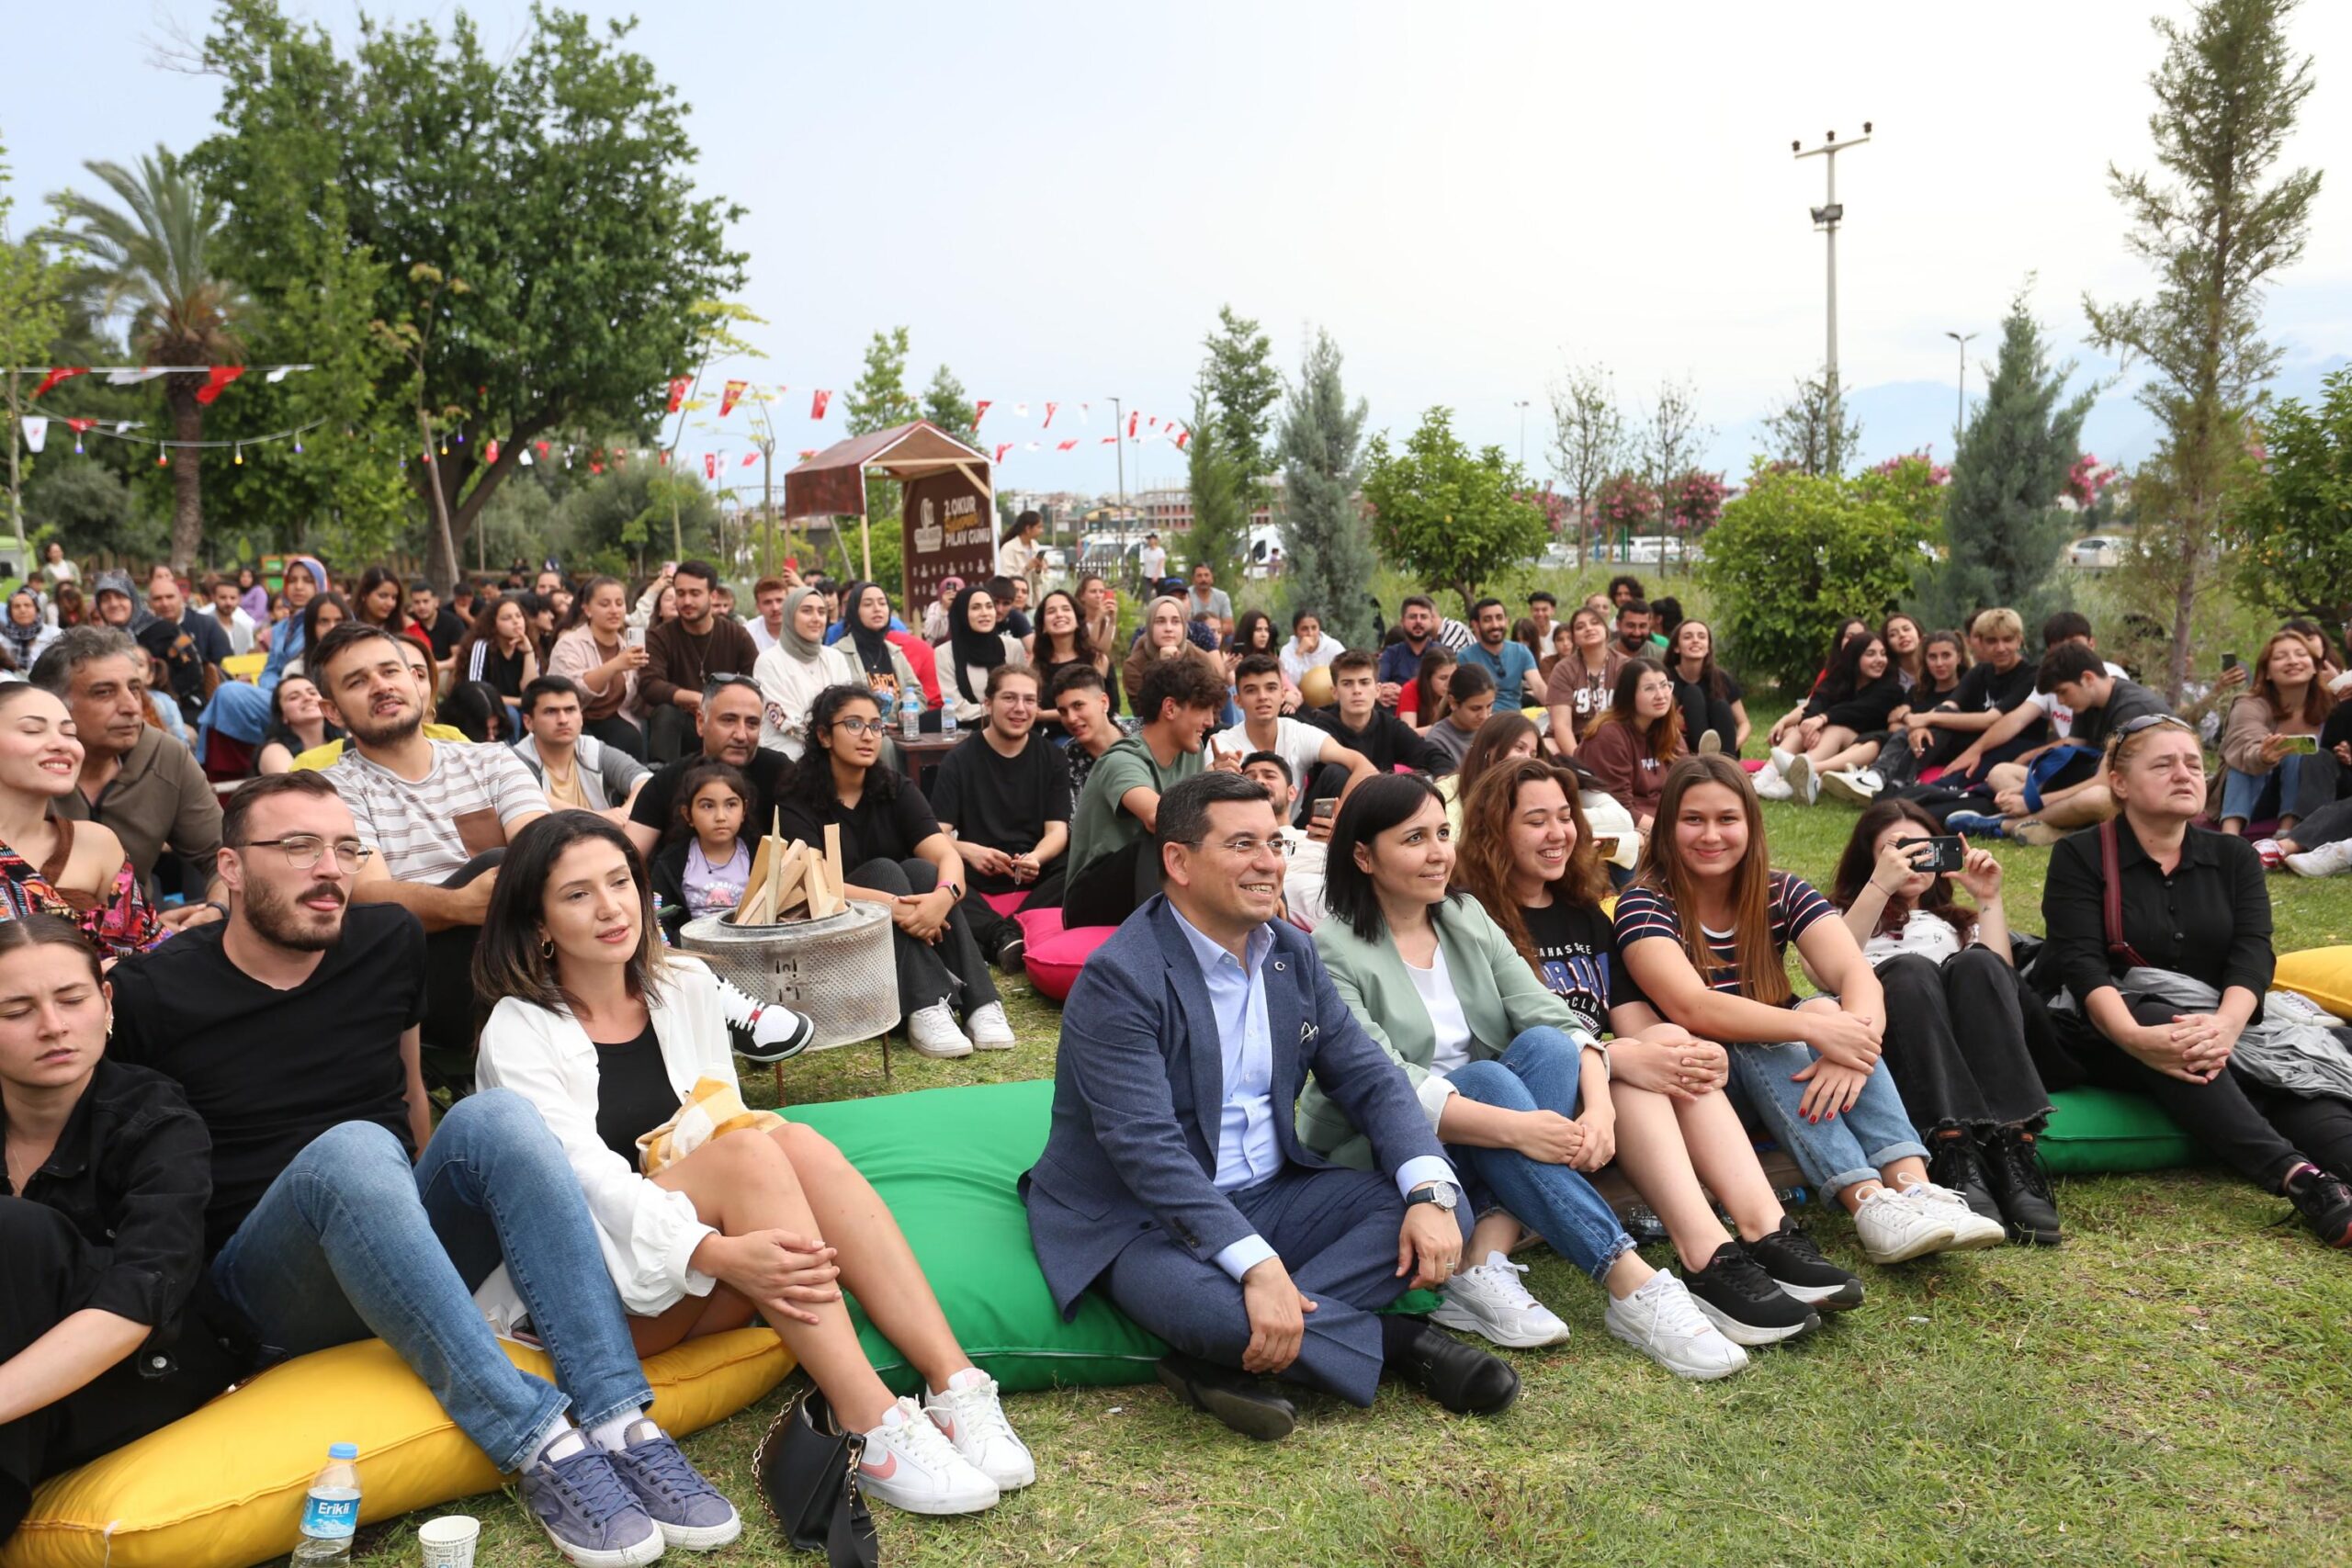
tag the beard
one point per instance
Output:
(369, 730)
(280, 918)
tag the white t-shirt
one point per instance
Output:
(761, 638)
(1154, 561)
(1299, 743)
(1013, 556)
(425, 829)
(1302, 898)
(1923, 932)
(1453, 1030)
(1296, 662)
(238, 631)
(2061, 716)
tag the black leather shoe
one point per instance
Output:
(1465, 1379)
(2021, 1187)
(1954, 1162)
(1243, 1402)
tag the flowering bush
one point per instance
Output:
(1936, 473)
(1696, 500)
(2087, 479)
(1624, 502)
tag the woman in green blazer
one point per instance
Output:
(1501, 1066)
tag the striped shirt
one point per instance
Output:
(428, 827)
(1643, 911)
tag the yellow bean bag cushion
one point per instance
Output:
(2323, 973)
(223, 1488)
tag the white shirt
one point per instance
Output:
(1298, 743)
(1303, 896)
(1929, 935)
(788, 687)
(1451, 1028)
(1013, 556)
(1154, 561)
(761, 638)
(1296, 662)
(2061, 716)
(240, 630)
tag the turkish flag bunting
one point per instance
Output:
(678, 386)
(665, 459)
(1049, 416)
(750, 458)
(1182, 438)
(1110, 441)
(543, 448)
(1064, 446)
(1002, 447)
(215, 378)
(727, 399)
(1155, 422)
(817, 404)
(978, 410)
(595, 467)
(60, 373)
(807, 453)
(1131, 425)
(710, 465)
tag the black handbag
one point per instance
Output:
(808, 1470)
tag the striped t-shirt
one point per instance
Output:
(429, 827)
(1643, 911)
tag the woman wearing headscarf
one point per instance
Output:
(877, 661)
(29, 636)
(1164, 636)
(799, 666)
(239, 711)
(975, 647)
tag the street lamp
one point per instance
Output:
(1825, 218)
(1960, 400)
(1522, 406)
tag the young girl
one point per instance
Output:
(1422, 702)
(1844, 721)
(705, 866)
(1629, 749)
(1703, 933)
(1955, 1022)
(1579, 688)
(1712, 703)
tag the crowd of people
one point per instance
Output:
(337, 997)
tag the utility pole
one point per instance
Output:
(1960, 398)
(1522, 406)
(1119, 434)
(1826, 217)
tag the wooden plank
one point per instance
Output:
(756, 883)
(835, 879)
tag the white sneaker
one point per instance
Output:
(1771, 785)
(992, 1031)
(1662, 1322)
(1856, 786)
(971, 1416)
(2328, 859)
(1969, 1230)
(1487, 1299)
(909, 1464)
(1893, 1231)
(932, 1031)
(1784, 759)
(1805, 784)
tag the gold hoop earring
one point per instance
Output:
(547, 947)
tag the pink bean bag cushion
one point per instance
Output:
(1038, 925)
(1054, 962)
(1003, 903)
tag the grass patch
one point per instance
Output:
(2173, 1385)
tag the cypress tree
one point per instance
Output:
(1325, 545)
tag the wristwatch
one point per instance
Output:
(1438, 1192)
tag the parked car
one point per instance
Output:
(2097, 551)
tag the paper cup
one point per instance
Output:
(448, 1541)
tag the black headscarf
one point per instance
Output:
(970, 650)
(873, 647)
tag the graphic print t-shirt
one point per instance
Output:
(1576, 951)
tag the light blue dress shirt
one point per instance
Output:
(1248, 1149)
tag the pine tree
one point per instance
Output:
(947, 405)
(2003, 525)
(1325, 542)
(1219, 486)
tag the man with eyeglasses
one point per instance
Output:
(1173, 1179)
(727, 718)
(1004, 796)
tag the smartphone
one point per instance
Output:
(2300, 746)
(637, 637)
(2229, 662)
(1607, 846)
(1943, 854)
(1326, 809)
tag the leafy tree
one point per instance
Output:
(1324, 539)
(1588, 440)
(1219, 483)
(1814, 432)
(1450, 517)
(1669, 442)
(32, 313)
(947, 405)
(1623, 508)
(879, 400)
(2227, 94)
(2002, 521)
(1243, 386)
(1796, 553)
(554, 177)
(88, 508)
(156, 260)
(2294, 532)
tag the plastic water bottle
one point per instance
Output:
(910, 714)
(947, 719)
(331, 1511)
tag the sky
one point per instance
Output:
(1055, 200)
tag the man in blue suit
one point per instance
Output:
(1174, 1179)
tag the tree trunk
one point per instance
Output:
(188, 474)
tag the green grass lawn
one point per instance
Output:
(2173, 1385)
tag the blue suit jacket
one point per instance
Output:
(1140, 1085)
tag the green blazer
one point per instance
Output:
(1500, 996)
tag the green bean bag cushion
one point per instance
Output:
(949, 1161)
(2095, 1130)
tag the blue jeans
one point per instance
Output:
(351, 1241)
(2245, 795)
(1538, 1073)
(1834, 1154)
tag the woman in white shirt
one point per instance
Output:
(1309, 648)
(605, 1030)
(1955, 1036)
(1016, 553)
(798, 667)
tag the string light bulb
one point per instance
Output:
(445, 448)
(241, 456)
(77, 443)
(298, 446)
(163, 459)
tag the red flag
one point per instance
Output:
(1049, 416)
(543, 450)
(595, 467)
(710, 465)
(750, 458)
(60, 373)
(490, 450)
(1110, 441)
(727, 398)
(678, 386)
(1155, 422)
(817, 404)
(665, 457)
(1183, 437)
(807, 453)
(1002, 447)
(215, 378)
(978, 410)
(1064, 446)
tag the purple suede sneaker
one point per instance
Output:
(689, 1511)
(590, 1515)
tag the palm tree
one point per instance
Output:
(152, 260)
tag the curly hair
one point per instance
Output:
(1482, 864)
(812, 781)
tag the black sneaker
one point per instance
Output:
(1796, 1266)
(1953, 1163)
(1009, 951)
(2324, 1203)
(2012, 1162)
(1743, 1302)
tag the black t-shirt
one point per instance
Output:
(1576, 950)
(633, 1092)
(1002, 802)
(873, 829)
(1984, 689)
(657, 803)
(447, 631)
(270, 1070)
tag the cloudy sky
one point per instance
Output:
(1056, 199)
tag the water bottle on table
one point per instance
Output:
(910, 713)
(947, 719)
(331, 1510)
